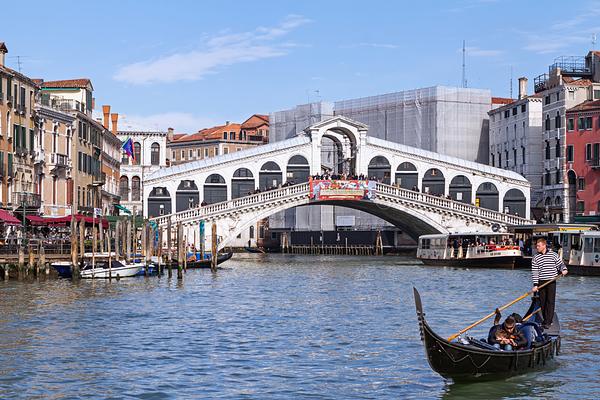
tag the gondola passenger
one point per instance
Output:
(506, 336)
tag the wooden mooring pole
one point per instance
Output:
(169, 249)
(180, 250)
(214, 257)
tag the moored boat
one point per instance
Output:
(100, 270)
(473, 359)
(580, 250)
(197, 263)
(473, 249)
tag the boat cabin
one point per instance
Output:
(526, 235)
(465, 245)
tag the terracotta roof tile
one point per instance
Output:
(576, 82)
(586, 106)
(502, 100)
(216, 132)
(255, 121)
(68, 83)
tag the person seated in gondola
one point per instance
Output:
(506, 336)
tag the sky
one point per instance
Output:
(195, 64)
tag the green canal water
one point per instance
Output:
(277, 327)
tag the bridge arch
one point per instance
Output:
(488, 196)
(215, 189)
(269, 175)
(242, 183)
(187, 195)
(407, 176)
(515, 202)
(298, 169)
(159, 202)
(380, 169)
(434, 182)
(460, 189)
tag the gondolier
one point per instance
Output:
(545, 266)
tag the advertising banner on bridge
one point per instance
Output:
(341, 189)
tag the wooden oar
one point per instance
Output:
(532, 314)
(451, 338)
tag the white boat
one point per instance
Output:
(580, 250)
(117, 270)
(472, 249)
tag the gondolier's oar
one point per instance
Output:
(451, 338)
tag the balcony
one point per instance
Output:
(540, 83)
(21, 109)
(62, 104)
(58, 160)
(26, 199)
(594, 163)
(40, 156)
(21, 151)
(99, 180)
(10, 99)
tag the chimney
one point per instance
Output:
(522, 88)
(170, 132)
(106, 112)
(3, 51)
(226, 122)
(114, 119)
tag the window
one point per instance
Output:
(238, 149)
(506, 158)
(206, 152)
(137, 153)
(251, 232)
(547, 123)
(570, 124)
(547, 150)
(596, 94)
(547, 100)
(588, 123)
(571, 95)
(596, 153)
(570, 155)
(547, 178)
(231, 135)
(216, 151)
(174, 153)
(558, 176)
(135, 188)
(581, 183)
(506, 113)
(557, 121)
(557, 96)
(124, 188)
(523, 154)
(225, 150)
(499, 159)
(588, 152)
(515, 156)
(191, 154)
(581, 123)
(492, 160)
(523, 108)
(514, 111)
(580, 208)
(183, 154)
(224, 135)
(155, 154)
(557, 148)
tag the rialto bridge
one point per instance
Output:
(419, 191)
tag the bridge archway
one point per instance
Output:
(461, 189)
(242, 183)
(187, 195)
(159, 202)
(488, 196)
(269, 175)
(380, 169)
(434, 182)
(515, 202)
(215, 189)
(407, 176)
(298, 170)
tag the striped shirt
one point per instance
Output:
(546, 266)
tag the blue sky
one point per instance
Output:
(192, 64)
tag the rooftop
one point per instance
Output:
(81, 83)
(586, 106)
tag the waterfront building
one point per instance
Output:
(150, 154)
(515, 139)
(583, 159)
(75, 96)
(569, 81)
(53, 157)
(111, 164)
(19, 189)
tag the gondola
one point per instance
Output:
(472, 359)
(221, 258)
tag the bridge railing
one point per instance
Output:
(451, 204)
(217, 208)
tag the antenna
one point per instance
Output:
(464, 73)
(511, 81)
(19, 62)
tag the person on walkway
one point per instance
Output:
(545, 266)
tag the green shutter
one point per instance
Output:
(16, 137)
(24, 137)
(31, 140)
(8, 87)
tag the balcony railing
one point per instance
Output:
(26, 199)
(59, 160)
(61, 104)
(594, 162)
(99, 180)
(40, 156)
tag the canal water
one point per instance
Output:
(275, 326)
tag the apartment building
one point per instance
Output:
(111, 163)
(570, 81)
(18, 189)
(515, 139)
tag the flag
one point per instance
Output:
(128, 148)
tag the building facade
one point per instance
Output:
(515, 139)
(150, 154)
(583, 158)
(111, 165)
(570, 81)
(19, 187)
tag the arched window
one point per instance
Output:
(135, 188)
(155, 154)
(124, 188)
(137, 153)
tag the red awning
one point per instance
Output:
(51, 221)
(8, 218)
(90, 220)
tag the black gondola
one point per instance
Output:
(477, 360)
(221, 258)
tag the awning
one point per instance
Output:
(91, 221)
(49, 221)
(8, 219)
(121, 208)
